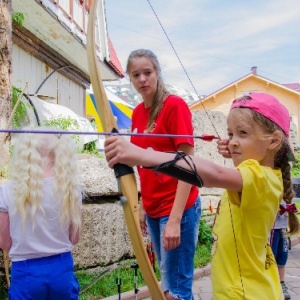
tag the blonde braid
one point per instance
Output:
(25, 169)
(66, 183)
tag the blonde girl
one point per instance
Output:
(41, 206)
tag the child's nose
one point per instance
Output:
(234, 140)
(142, 78)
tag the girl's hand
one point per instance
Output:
(223, 148)
(171, 238)
(119, 150)
(143, 223)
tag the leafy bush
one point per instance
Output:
(64, 123)
(67, 123)
(205, 235)
(18, 17)
(90, 148)
(20, 114)
(296, 166)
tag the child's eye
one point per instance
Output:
(135, 75)
(147, 73)
(242, 132)
(229, 134)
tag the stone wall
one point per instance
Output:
(104, 236)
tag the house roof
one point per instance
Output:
(293, 86)
(114, 60)
(252, 74)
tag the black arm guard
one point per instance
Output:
(170, 168)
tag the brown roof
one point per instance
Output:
(293, 86)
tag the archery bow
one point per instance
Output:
(127, 183)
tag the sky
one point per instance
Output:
(217, 41)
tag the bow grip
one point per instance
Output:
(121, 169)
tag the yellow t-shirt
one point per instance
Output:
(243, 265)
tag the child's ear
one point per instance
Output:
(276, 140)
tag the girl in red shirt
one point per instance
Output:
(170, 210)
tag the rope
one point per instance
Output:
(184, 69)
(99, 276)
(211, 124)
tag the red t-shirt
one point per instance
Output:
(158, 190)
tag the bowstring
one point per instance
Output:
(182, 65)
(189, 79)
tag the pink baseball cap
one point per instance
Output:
(268, 106)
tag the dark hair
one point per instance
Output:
(281, 162)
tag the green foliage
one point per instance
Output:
(91, 148)
(20, 114)
(3, 286)
(205, 235)
(18, 17)
(64, 123)
(67, 123)
(3, 292)
(202, 255)
(296, 166)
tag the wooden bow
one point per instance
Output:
(6, 266)
(128, 186)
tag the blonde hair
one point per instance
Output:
(31, 153)
(161, 91)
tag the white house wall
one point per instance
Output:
(51, 22)
(30, 70)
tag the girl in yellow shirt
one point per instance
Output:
(258, 125)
